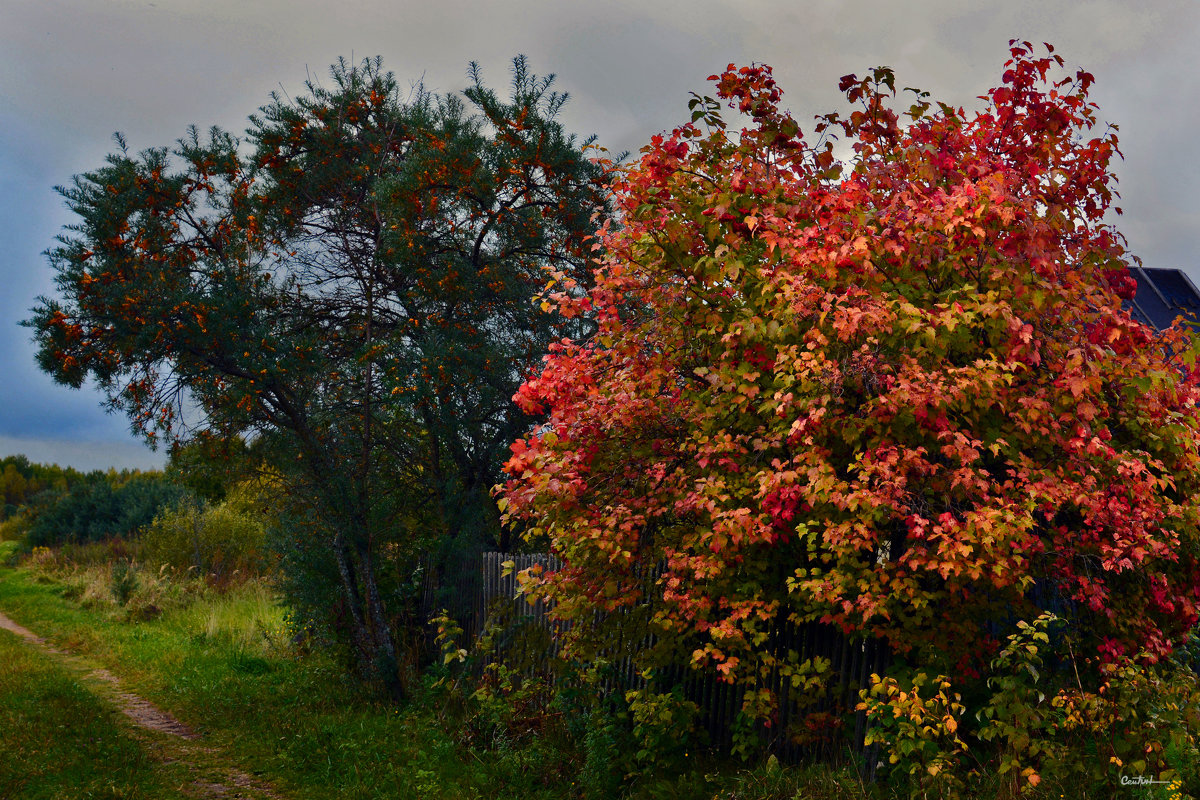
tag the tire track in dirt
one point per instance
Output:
(179, 744)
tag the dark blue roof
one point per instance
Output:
(1163, 295)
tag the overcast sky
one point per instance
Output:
(72, 72)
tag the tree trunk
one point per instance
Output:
(345, 565)
(386, 663)
(373, 643)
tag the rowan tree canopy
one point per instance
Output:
(351, 282)
(897, 394)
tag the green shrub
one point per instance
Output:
(1123, 719)
(508, 709)
(1043, 724)
(14, 528)
(605, 746)
(918, 719)
(216, 540)
(664, 729)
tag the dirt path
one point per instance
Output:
(165, 737)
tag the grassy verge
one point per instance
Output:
(298, 722)
(57, 740)
(223, 664)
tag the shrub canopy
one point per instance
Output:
(897, 394)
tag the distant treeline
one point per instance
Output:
(22, 482)
(53, 505)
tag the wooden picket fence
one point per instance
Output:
(528, 636)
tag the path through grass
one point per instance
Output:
(221, 664)
(59, 740)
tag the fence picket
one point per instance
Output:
(481, 587)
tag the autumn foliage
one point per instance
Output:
(894, 392)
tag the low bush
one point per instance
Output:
(124, 581)
(217, 541)
(14, 528)
(1045, 725)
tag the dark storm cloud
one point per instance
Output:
(74, 71)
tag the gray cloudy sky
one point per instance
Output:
(74, 71)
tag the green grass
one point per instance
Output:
(249, 618)
(223, 666)
(223, 663)
(57, 740)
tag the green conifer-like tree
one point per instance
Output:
(348, 286)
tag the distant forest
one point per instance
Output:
(48, 505)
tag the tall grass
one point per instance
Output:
(248, 617)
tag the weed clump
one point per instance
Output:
(124, 581)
